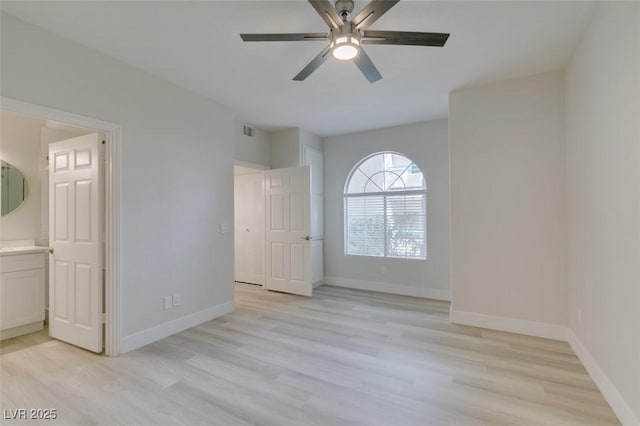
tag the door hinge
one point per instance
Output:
(103, 318)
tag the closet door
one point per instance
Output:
(249, 228)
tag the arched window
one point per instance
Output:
(385, 208)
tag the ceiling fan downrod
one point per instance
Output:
(344, 9)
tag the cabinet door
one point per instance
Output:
(21, 298)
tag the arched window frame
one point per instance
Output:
(370, 226)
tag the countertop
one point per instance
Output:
(8, 251)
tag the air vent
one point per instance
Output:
(248, 131)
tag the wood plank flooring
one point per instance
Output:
(343, 357)
(24, 341)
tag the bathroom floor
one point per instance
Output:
(24, 341)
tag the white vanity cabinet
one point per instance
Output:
(21, 292)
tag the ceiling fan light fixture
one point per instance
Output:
(345, 47)
(347, 33)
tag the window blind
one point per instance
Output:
(386, 225)
(385, 206)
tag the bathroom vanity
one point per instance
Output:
(22, 281)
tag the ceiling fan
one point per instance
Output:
(346, 36)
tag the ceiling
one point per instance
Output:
(196, 45)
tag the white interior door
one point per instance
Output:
(75, 225)
(314, 159)
(249, 228)
(288, 220)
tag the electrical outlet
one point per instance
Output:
(167, 302)
(176, 299)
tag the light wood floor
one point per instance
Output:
(343, 357)
(25, 341)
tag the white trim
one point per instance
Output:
(250, 165)
(510, 325)
(19, 330)
(113, 307)
(46, 113)
(303, 154)
(619, 406)
(402, 290)
(150, 335)
(112, 205)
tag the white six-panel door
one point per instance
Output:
(288, 223)
(75, 224)
(249, 228)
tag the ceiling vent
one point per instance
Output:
(248, 131)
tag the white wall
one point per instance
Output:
(427, 145)
(603, 180)
(508, 214)
(176, 172)
(285, 148)
(20, 147)
(255, 149)
(309, 139)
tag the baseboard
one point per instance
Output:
(21, 329)
(317, 284)
(402, 290)
(511, 325)
(150, 335)
(618, 404)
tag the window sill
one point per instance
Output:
(401, 259)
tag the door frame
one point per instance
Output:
(262, 169)
(113, 132)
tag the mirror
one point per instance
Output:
(13, 188)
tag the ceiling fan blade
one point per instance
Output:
(363, 61)
(405, 38)
(313, 65)
(284, 37)
(327, 12)
(371, 13)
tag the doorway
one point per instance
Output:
(111, 136)
(272, 231)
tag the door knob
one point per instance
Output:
(51, 250)
(306, 238)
